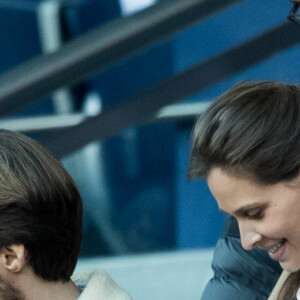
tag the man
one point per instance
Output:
(41, 227)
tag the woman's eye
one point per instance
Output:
(255, 215)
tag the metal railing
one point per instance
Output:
(96, 50)
(141, 108)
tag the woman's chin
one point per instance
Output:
(289, 266)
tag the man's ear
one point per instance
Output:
(13, 257)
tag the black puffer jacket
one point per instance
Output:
(240, 274)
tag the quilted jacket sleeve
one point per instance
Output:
(240, 274)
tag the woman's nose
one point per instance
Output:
(249, 237)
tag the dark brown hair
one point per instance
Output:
(253, 129)
(290, 287)
(40, 207)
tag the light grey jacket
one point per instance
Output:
(99, 286)
(283, 277)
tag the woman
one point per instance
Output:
(247, 144)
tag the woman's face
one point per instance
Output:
(268, 215)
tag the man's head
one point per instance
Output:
(40, 208)
(252, 130)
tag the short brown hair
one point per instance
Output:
(40, 207)
(253, 129)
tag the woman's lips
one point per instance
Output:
(277, 251)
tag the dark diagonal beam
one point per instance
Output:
(140, 108)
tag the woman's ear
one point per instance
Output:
(13, 257)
